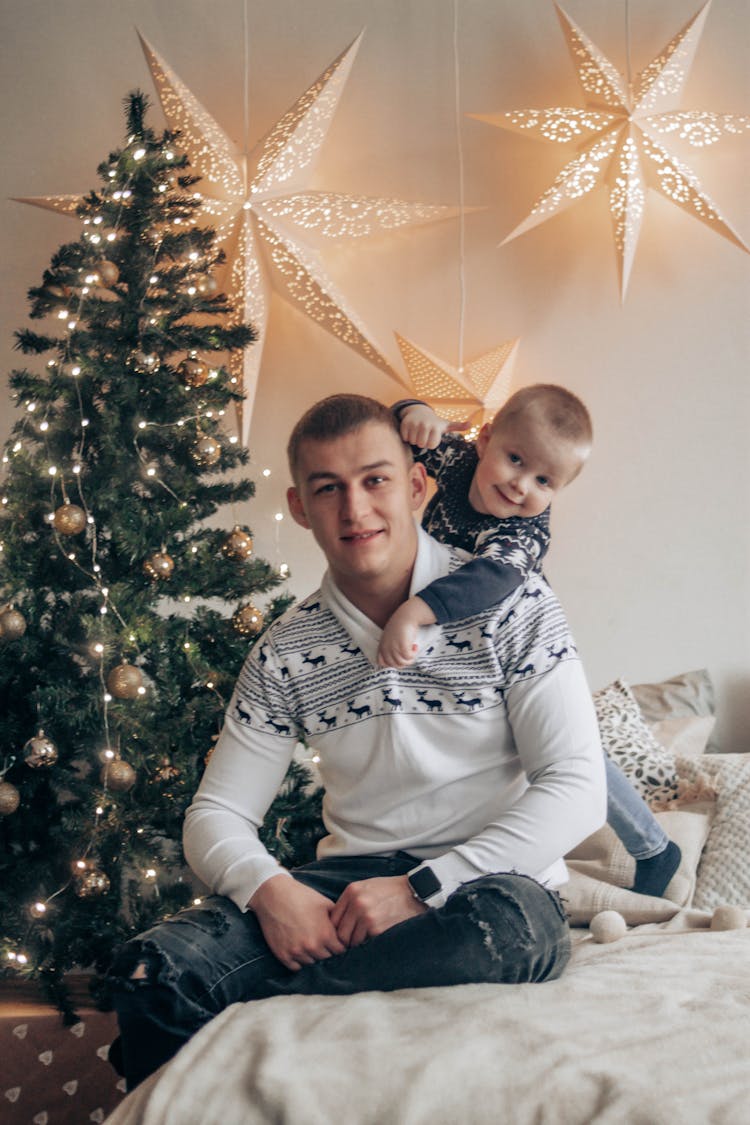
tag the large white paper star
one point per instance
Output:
(262, 209)
(617, 143)
(473, 392)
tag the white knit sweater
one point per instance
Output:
(482, 756)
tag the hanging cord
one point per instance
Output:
(628, 73)
(246, 88)
(461, 231)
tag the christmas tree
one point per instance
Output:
(124, 616)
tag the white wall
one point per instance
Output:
(651, 545)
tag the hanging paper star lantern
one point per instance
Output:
(615, 134)
(262, 210)
(473, 393)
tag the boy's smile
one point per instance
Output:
(521, 467)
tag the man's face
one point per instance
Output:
(358, 494)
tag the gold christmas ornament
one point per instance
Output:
(118, 775)
(124, 681)
(167, 772)
(145, 362)
(159, 565)
(248, 621)
(91, 883)
(193, 372)
(108, 272)
(69, 519)
(10, 798)
(206, 450)
(207, 285)
(615, 136)
(239, 544)
(40, 752)
(12, 624)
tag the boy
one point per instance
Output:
(493, 500)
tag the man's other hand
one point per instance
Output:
(296, 922)
(367, 908)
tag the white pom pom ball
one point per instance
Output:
(607, 926)
(728, 918)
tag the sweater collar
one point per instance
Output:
(432, 561)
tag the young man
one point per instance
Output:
(453, 787)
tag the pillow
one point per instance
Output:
(723, 877)
(627, 740)
(601, 871)
(689, 693)
(685, 737)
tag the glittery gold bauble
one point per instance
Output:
(239, 544)
(12, 624)
(40, 752)
(145, 361)
(118, 775)
(206, 285)
(91, 883)
(124, 681)
(206, 450)
(108, 272)
(248, 621)
(167, 772)
(10, 798)
(193, 372)
(69, 519)
(159, 565)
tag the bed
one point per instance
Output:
(653, 1027)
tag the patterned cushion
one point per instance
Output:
(627, 740)
(724, 872)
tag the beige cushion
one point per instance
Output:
(686, 737)
(601, 871)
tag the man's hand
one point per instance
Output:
(421, 426)
(398, 642)
(368, 908)
(296, 922)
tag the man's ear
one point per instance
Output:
(483, 438)
(296, 507)
(418, 484)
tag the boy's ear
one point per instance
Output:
(483, 438)
(296, 507)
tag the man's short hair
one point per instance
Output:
(554, 406)
(333, 417)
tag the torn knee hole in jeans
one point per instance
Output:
(495, 931)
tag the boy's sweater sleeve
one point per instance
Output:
(503, 558)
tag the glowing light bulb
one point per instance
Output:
(150, 873)
(233, 440)
(279, 517)
(197, 901)
(22, 959)
(266, 472)
(99, 810)
(141, 691)
(76, 469)
(98, 647)
(31, 406)
(52, 470)
(107, 697)
(137, 155)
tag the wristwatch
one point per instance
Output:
(426, 886)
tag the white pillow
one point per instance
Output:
(723, 877)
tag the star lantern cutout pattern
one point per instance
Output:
(262, 209)
(617, 133)
(473, 392)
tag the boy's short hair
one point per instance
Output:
(555, 406)
(333, 417)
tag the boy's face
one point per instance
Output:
(522, 464)
(357, 494)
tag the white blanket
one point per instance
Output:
(651, 1030)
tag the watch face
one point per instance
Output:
(425, 883)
